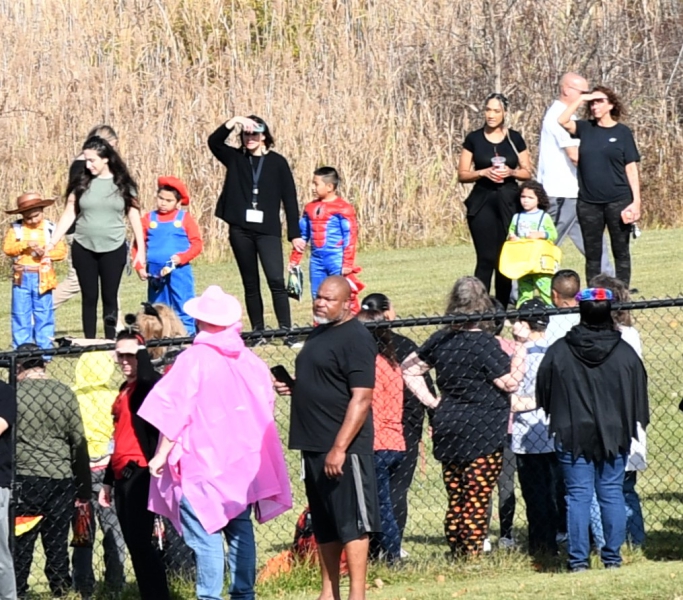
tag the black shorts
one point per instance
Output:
(344, 509)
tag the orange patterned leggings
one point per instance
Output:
(469, 487)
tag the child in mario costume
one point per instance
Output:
(33, 276)
(173, 239)
(329, 223)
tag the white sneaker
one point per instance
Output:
(487, 546)
(404, 553)
(507, 543)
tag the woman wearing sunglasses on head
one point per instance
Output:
(135, 443)
(494, 158)
(609, 183)
(257, 183)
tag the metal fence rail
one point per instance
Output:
(86, 380)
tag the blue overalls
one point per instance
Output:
(163, 241)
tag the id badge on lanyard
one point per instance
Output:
(254, 215)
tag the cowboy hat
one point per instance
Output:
(214, 306)
(29, 201)
(177, 185)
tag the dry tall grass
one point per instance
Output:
(383, 90)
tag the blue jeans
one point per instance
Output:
(596, 523)
(635, 525)
(605, 478)
(208, 550)
(386, 464)
(33, 317)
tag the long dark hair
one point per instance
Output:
(382, 335)
(122, 178)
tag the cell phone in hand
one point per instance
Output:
(282, 375)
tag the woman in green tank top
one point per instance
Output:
(98, 201)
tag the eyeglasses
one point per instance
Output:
(252, 132)
(125, 355)
(598, 101)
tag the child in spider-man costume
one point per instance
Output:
(329, 224)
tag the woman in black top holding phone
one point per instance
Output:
(257, 182)
(494, 158)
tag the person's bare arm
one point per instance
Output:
(634, 183)
(518, 362)
(466, 173)
(507, 383)
(65, 221)
(523, 171)
(573, 154)
(522, 403)
(413, 375)
(356, 413)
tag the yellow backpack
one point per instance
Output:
(526, 257)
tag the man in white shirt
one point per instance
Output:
(557, 158)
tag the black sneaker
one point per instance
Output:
(255, 342)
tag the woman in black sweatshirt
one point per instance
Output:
(257, 183)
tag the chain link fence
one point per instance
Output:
(64, 427)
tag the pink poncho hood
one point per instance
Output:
(217, 404)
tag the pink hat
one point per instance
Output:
(214, 306)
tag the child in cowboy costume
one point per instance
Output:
(173, 239)
(33, 276)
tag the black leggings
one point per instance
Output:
(137, 526)
(400, 484)
(489, 229)
(54, 500)
(107, 269)
(249, 247)
(593, 218)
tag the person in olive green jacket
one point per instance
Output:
(52, 469)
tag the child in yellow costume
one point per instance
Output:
(33, 276)
(533, 223)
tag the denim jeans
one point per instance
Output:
(635, 526)
(605, 478)
(386, 464)
(210, 557)
(33, 317)
(596, 523)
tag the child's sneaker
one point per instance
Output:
(507, 543)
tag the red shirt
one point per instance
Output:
(387, 406)
(126, 444)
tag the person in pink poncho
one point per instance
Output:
(220, 453)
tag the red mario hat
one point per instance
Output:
(176, 184)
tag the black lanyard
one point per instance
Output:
(256, 175)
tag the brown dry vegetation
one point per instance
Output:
(384, 90)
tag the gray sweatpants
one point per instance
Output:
(8, 588)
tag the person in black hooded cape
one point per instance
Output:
(593, 386)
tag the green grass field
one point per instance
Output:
(418, 281)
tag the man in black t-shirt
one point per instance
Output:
(8, 418)
(331, 423)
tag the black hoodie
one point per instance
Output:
(593, 386)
